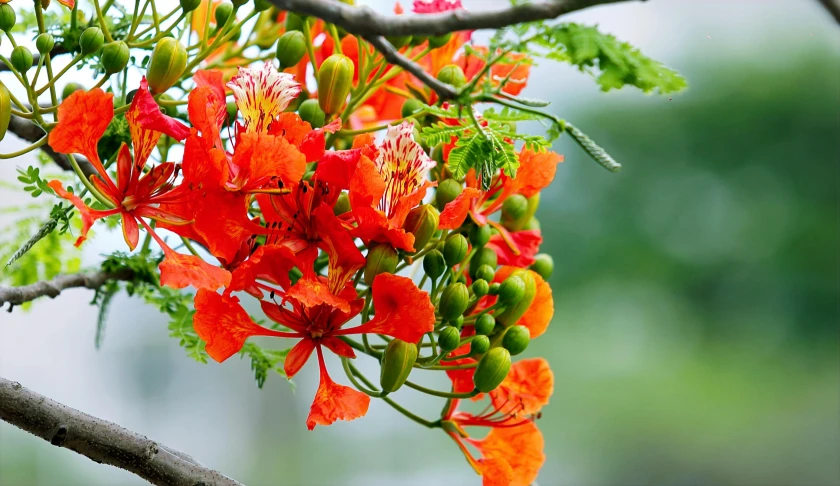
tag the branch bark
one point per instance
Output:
(364, 21)
(30, 132)
(390, 53)
(833, 7)
(52, 288)
(102, 441)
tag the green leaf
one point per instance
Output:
(264, 360)
(440, 132)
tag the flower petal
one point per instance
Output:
(262, 158)
(270, 263)
(456, 211)
(539, 315)
(403, 164)
(402, 310)
(262, 94)
(521, 447)
(179, 271)
(345, 259)
(88, 215)
(527, 243)
(83, 118)
(526, 389)
(298, 356)
(335, 402)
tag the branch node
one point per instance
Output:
(59, 436)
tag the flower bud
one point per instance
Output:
(485, 272)
(422, 222)
(515, 309)
(44, 43)
(293, 22)
(437, 156)
(189, 5)
(516, 339)
(291, 47)
(454, 301)
(91, 40)
(449, 339)
(310, 111)
(492, 370)
(168, 61)
(342, 204)
(480, 235)
(380, 259)
(114, 57)
(434, 264)
(223, 12)
(69, 89)
(484, 256)
(455, 250)
(533, 224)
(494, 288)
(543, 265)
(479, 345)
(335, 78)
(447, 191)
(512, 289)
(410, 106)
(459, 322)
(21, 59)
(480, 288)
(399, 41)
(452, 74)
(485, 324)
(436, 41)
(397, 361)
(5, 110)
(8, 19)
(238, 3)
(515, 212)
(262, 5)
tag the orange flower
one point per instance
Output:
(539, 315)
(511, 72)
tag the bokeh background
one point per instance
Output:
(695, 338)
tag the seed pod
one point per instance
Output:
(342, 204)
(543, 265)
(494, 288)
(293, 22)
(436, 41)
(516, 339)
(480, 288)
(5, 110)
(455, 250)
(452, 74)
(189, 5)
(335, 78)
(44, 43)
(492, 370)
(485, 272)
(512, 289)
(397, 362)
(454, 301)
(449, 339)
(434, 264)
(485, 324)
(447, 191)
(380, 259)
(114, 57)
(459, 322)
(21, 59)
(410, 106)
(483, 256)
(69, 89)
(91, 40)
(422, 222)
(8, 19)
(310, 111)
(479, 345)
(516, 309)
(223, 12)
(480, 235)
(399, 41)
(291, 47)
(167, 64)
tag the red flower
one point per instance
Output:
(511, 72)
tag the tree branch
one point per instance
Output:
(364, 21)
(30, 132)
(102, 441)
(52, 288)
(443, 90)
(833, 7)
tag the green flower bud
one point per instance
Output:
(459, 322)
(492, 370)
(449, 339)
(455, 250)
(114, 57)
(8, 19)
(422, 222)
(453, 75)
(21, 58)
(291, 47)
(293, 22)
(44, 43)
(399, 41)
(447, 191)
(410, 106)
(189, 5)
(166, 65)
(480, 235)
(515, 309)
(480, 288)
(397, 361)
(516, 339)
(512, 289)
(479, 345)
(494, 288)
(5, 110)
(485, 324)
(417, 40)
(483, 256)
(514, 209)
(380, 259)
(543, 265)
(335, 78)
(69, 89)
(310, 111)
(91, 40)
(436, 41)
(434, 264)
(437, 154)
(342, 205)
(454, 301)
(223, 12)
(533, 224)
(486, 273)
(262, 5)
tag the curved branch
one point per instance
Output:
(102, 441)
(366, 22)
(30, 132)
(443, 90)
(52, 288)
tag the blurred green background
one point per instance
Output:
(695, 339)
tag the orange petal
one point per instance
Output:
(521, 447)
(297, 357)
(454, 213)
(539, 315)
(366, 185)
(529, 384)
(536, 171)
(88, 215)
(83, 118)
(345, 259)
(337, 168)
(310, 292)
(526, 242)
(222, 221)
(270, 263)
(207, 113)
(402, 310)
(335, 402)
(495, 472)
(261, 157)
(179, 271)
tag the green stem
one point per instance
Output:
(397, 407)
(441, 394)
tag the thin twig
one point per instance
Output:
(443, 90)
